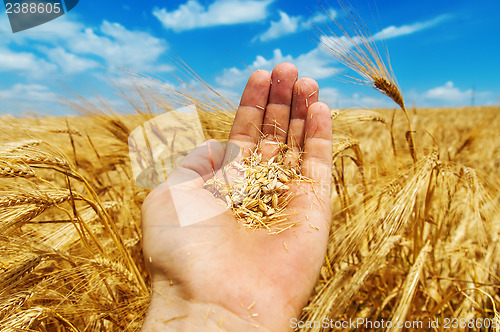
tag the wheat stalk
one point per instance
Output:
(343, 144)
(409, 287)
(360, 54)
(355, 116)
(20, 206)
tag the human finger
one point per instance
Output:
(277, 115)
(305, 94)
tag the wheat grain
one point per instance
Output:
(41, 198)
(64, 131)
(11, 302)
(24, 319)
(13, 147)
(10, 170)
(37, 158)
(22, 207)
(12, 275)
(342, 145)
(385, 84)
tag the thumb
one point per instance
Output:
(198, 166)
(186, 181)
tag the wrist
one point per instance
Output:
(169, 310)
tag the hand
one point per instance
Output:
(216, 274)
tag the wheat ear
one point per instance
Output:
(360, 54)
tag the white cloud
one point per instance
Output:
(330, 96)
(318, 63)
(34, 92)
(28, 99)
(69, 62)
(192, 14)
(315, 63)
(119, 46)
(65, 46)
(319, 18)
(25, 63)
(236, 77)
(60, 29)
(292, 24)
(393, 31)
(75, 48)
(285, 26)
(337, 100)
(54, 32)
(385, 34)
(448, 93)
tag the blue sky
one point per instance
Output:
(442, 52)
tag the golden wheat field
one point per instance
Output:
(410, 241)
(415, 222)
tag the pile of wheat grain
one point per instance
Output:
(257, 192)
(414, 237)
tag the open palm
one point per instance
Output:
(209, 271)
